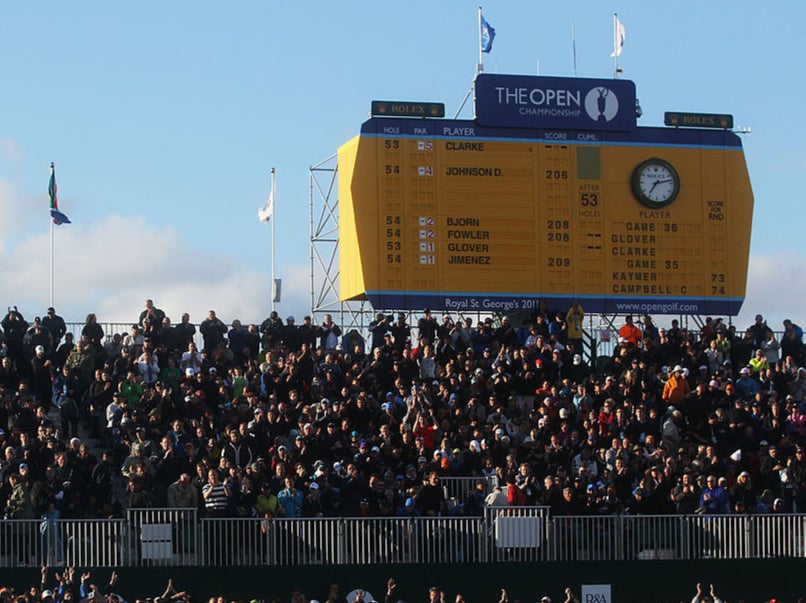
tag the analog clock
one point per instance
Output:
(655, 182)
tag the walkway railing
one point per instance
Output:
(178, 537)
(679, 537)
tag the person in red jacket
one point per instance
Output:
(515, 496)
(630, 332)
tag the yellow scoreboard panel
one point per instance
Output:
(454, 215)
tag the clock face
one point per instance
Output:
(655, 183)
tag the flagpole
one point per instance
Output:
(615, 43)
(480, 66)
(52, 172)
(574, 46)
(51, 264)
(273, 222)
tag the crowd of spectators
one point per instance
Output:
(68, 585)
(302, 420)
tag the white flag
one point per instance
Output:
(619, 33)
(265, 213)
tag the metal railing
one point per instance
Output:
(456, 488)
(123, 328)
(179, 537)
(681, 537)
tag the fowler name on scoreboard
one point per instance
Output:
(555, 102)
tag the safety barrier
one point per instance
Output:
(682, 537)
(179, 537)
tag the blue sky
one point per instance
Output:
(165, 119)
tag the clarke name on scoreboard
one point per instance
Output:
(552, 193)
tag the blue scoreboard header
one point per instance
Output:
(518, 101)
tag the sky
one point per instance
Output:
(165, 119)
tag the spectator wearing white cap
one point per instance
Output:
(746, 385)
(41, 377)
(312, 505)
(676, 388)
(743, 495)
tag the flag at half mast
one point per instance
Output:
(57, 216)
(265, 213)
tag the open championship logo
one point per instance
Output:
(601, 104)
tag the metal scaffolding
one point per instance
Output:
(324, 250)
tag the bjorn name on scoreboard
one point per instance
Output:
(551, 193)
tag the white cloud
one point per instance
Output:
(17, 212)
(9, 149)
(776, 289)
(112, 267)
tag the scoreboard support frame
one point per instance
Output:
(324, 248)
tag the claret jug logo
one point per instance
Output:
(601, 104)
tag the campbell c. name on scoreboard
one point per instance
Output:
(551, 193)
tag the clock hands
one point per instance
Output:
(657, 182)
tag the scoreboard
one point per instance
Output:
(551, 193)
